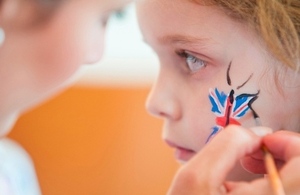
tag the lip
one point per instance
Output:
(181, 154)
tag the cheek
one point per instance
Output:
(200, 118)
(57, 61)
(61, 55)
(270, 106)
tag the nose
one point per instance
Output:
(162, 101)
(95, 49)
(95, 54)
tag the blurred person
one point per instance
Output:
(44, 43)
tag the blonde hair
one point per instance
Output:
(277, 22)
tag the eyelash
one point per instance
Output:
(189, 58)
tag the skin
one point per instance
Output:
(39, 59)
(46, 55)
(240, 143)
(284, 145)
(180, 94)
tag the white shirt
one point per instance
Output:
(17, 174)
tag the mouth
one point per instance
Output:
(181, 154)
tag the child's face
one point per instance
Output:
(203, 51)
(38, 59)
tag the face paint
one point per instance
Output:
(229, 107)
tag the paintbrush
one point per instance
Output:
(272, 172)
(271, 168)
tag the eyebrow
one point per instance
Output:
(182, 39)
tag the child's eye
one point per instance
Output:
(193, 63)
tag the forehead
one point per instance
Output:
(183, 18)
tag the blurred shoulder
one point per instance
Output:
(17, 173)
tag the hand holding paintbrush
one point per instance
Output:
(273, 175)
(208, 170)
(270, 165)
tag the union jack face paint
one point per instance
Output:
(228, 108)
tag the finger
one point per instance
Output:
(257, 166)
(254, 162)
(261, 131)
(290, 175)
(215, 161)
(231, 186)
(257, 187)
(253, 165)
(283, 145)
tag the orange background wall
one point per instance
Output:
(97, 141)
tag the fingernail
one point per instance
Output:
(261, 131)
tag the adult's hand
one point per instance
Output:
(206, 172)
